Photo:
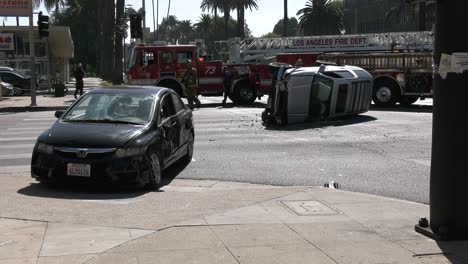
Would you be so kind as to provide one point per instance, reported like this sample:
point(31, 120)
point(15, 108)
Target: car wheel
point(17, 91)
point(191, 140)
point(244, 94)
point(386, 93)
point(155, 177)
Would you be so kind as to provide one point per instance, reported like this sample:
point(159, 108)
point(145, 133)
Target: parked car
point(7, 89)
point(118, 134)
point(4, 68)
point(21, 83)
point(316, 93)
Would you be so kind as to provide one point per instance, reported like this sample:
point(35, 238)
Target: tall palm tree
point(211, 5)
point(184, 31)
point(285, 19)
point(204, 24)
point(241, 5)
point(321, 17)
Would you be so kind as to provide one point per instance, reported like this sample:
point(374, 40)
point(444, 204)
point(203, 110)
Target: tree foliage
point(321, 17)
point(291, 30)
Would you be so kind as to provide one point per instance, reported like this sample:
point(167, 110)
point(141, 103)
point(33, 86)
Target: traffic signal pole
point(449, 174)
point(32, 60)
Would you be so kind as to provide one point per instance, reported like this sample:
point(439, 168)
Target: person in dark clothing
point(79, 75)
point(227, 82)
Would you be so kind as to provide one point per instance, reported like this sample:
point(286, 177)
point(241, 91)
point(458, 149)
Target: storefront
point(53, 54)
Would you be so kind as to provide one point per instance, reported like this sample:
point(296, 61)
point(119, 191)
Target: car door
point(185, 121)
point(170, 126)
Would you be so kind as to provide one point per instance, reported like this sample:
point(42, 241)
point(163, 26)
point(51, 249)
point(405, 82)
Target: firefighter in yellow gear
point(190, 82)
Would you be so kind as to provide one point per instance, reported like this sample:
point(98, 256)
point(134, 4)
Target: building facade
point(377, 16)
point(52, 54)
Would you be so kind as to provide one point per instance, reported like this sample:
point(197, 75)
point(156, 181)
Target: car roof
point(131, 89)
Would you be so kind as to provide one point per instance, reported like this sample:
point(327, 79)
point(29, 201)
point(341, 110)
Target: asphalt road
point(385, 151)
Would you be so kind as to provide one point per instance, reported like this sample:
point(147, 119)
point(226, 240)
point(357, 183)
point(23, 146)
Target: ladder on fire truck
point(260, 48)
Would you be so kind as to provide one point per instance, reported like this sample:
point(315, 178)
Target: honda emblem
point(81, 154)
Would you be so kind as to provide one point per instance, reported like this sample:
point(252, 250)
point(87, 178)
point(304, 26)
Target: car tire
point(155, 172)
point(190, 143)
point(244, 94)
point(386, 93)
point(17, 91)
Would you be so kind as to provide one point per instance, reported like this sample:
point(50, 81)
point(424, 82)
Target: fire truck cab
point(160, 65)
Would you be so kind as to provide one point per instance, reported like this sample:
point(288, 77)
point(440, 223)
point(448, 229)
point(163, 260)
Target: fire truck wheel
point(245, 95)
point(408, 100)
point(386, 93)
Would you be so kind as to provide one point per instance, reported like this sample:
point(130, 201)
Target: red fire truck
point(165, 65)
point(404, 79)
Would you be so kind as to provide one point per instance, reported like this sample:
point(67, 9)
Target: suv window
point(9, 77)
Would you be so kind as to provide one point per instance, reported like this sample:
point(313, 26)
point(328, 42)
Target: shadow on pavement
point(455, 251)
point(88, 190)
point(401, 108)
point(344, 121)
point(232, 105)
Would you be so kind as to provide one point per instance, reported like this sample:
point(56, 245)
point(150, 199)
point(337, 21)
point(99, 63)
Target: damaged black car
point(119, 134)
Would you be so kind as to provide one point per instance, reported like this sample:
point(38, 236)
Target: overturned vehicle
point(316, 93)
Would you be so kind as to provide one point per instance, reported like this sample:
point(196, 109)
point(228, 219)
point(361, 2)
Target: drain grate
point(305, 208)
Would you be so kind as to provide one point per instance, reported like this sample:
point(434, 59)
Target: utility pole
point(285, 19)
point(144, 19)
point(32, 60)
point(449, 173)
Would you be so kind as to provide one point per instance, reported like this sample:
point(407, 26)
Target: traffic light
point(43, 23)
point(135, 26)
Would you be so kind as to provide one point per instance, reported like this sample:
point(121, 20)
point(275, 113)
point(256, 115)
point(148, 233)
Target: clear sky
point(260, 21)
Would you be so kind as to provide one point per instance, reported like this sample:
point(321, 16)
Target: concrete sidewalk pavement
point(194, 221)
point(45, 101)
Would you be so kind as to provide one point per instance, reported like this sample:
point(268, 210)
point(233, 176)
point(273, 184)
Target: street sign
point(15, 8)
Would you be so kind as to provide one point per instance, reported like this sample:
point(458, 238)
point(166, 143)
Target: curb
point(16, 109)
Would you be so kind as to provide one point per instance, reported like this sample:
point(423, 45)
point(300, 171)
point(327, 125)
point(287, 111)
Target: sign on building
point(15, 7)
point(7, 41)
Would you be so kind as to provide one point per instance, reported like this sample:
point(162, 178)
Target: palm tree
point(184, 31)
point(211, 5)
point(321, 17)
point(224, 5)
point(241, 5)
point(204, 24)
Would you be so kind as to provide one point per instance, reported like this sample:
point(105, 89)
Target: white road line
point(19, 146)
point(40, 119)
point(18, 133)
point(15, 156)
point(18, 139)
point(28, 128)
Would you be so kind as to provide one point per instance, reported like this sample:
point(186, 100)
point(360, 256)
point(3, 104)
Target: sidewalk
point(44, 100)
point(191, 221)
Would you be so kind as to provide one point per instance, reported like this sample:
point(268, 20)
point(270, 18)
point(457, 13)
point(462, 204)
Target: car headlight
point(128, 152)
point(44, 148)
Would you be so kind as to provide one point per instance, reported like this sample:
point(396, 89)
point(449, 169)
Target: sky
point(260, 21)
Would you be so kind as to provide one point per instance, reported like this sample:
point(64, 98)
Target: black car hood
point(63, 134)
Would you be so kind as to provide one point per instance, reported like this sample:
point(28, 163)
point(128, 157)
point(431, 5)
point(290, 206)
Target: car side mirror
point(59, 113)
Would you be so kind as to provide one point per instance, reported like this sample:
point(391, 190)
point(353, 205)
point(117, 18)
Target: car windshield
point(112, 108)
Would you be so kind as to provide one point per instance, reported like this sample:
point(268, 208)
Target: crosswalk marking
point(15, 156)
point(18, 139)
point(28, 128)
point(19, 146)
point(20, 133)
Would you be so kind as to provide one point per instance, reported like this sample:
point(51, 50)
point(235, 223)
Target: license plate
point(81, 170)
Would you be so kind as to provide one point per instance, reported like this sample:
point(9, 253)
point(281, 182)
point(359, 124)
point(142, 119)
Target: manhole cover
point(309, 208)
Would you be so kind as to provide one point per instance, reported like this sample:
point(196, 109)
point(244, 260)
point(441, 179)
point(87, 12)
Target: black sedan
point(118, 134)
